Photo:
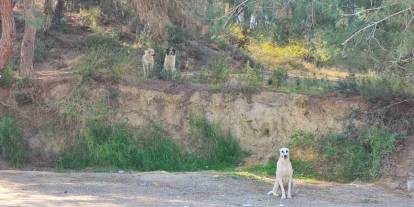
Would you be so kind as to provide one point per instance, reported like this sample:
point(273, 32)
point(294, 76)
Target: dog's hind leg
point(275, 189)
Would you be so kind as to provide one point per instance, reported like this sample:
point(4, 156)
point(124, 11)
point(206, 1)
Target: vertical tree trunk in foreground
point(58, 12)
point(7, 28)
point(48, 12)
point(28, 42)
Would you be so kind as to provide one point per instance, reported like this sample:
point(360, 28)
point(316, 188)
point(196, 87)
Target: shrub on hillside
point(345, 158)
point(107, 59)
point(108, 145)
point(378, 86)
point(11, 143)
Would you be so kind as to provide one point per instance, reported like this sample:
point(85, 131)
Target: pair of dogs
point(148, 61)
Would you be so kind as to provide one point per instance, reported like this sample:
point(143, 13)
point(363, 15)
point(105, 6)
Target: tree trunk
point(48, 12)
point(28, 42)
point(227, 8)
point(58, 12)
point(7, 29)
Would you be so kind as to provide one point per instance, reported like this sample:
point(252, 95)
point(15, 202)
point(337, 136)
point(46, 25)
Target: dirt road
point(44, 189)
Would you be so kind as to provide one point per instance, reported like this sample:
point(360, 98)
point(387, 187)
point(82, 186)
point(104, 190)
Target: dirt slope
point(19, 188)
point(399, 167)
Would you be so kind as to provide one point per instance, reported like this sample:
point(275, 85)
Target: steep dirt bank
point(180, 190)
point(399, 168)
point(263, 122)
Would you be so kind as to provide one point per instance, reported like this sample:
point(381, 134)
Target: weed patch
point(108, 60)
point(105, 145)
point(378, 86)
point(342, 157)
point(7, 76)
point(11, 143)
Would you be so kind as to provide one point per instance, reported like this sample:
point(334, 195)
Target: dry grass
point(291, 57)
point(158, 14)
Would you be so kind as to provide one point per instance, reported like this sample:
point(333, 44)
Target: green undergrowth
point(103, 145)
point(12, 148)
point(337, 156)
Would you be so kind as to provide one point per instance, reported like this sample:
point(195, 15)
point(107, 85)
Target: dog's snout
point(285, 156)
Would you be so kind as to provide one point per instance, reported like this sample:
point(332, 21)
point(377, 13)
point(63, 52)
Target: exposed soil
point(399, 167)
point(28, 188)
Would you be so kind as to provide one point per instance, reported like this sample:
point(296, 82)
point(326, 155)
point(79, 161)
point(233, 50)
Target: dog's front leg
point(282, 188)
point(150, 70)
point(290, 187)
point(144, 70)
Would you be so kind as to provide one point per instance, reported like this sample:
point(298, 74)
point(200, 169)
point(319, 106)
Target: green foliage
point(107, 59)
point(302, 169)
point(382, 86)
point(11, 142)
point(175, 35)
point(217, 72)
point(342, 157)
point(7, 76)
point(218, 148)
point(269, 169)
point(220, 70)
point(253, 77)
point(202, 76)
point(93, 18)
point(43, 48)
point(107, 145)
point(279, 77)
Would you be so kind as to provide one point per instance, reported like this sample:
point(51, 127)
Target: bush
point(378, 86)
point(107, 145)
point(253, 76)
point(220, 70)
point(218, 148)
point(11, 143)
point(43, 47)
point(107, 59)
point(279, 77)
point(175, 35)
point(345, 158)
point(104, 145)
point(7, 76)
point(92, 17)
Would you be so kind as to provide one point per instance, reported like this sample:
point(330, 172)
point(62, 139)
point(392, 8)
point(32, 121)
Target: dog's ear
point(167, 50)
point(173, 51)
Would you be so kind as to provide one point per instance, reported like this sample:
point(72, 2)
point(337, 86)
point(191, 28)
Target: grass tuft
point(104, 145)
point(11, 143)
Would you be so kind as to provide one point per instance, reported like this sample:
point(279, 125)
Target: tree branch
point(373, 24)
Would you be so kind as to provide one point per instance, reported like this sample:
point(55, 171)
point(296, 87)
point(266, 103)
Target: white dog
point(284, 174)
point(148, 61)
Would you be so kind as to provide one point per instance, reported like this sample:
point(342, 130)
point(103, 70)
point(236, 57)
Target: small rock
point(65, 191)
point(121, 171)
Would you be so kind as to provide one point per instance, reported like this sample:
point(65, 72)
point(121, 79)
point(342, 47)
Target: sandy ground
point(44, 189)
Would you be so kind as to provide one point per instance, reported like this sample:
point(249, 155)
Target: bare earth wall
point(263, 122)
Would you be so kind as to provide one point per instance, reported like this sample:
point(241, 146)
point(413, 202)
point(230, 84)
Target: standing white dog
point(284, 174)
point(148, 62)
